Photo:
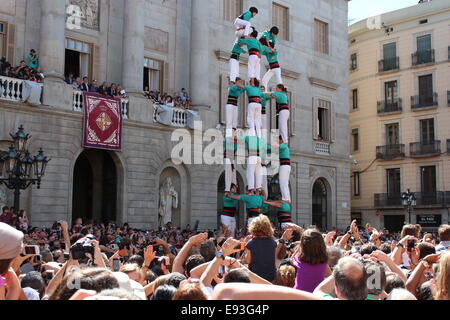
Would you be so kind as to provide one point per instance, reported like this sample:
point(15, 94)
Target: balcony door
point(428, 175)
point(426, 90)
point(391, 95)
point(393, 184)
point(389, 56)
point(427, 131)
point(424, 49)
point(392, 134)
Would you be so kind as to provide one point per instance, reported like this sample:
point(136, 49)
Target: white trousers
point(239, 23)
point(269, 74)
point(230, 174)
point(284, 174)
point(264, 127)
point(254, 172)
point(254, 119)
point(234, 69)
point(283, 119)
point(264, 182)
point(231, 119)
point(230, 223)
point(254, 67)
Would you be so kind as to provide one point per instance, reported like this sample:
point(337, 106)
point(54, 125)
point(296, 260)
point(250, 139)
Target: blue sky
point(361, 9)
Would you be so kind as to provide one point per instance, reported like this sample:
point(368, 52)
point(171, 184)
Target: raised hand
point(198, 239)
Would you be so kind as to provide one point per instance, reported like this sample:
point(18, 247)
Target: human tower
point(255, 140)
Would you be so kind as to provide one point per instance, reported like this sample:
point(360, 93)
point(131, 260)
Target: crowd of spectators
point(28, 69)
point(106, 89)
point(98, 261)
point(177, 100)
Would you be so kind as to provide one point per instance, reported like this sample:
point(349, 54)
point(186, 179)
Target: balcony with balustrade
point(425, 149)
point(430, 199)
point(62, 96)
point(386, 107)
point(391, 152)
point(387, 201)
point(424, 102)
point(389, 65)
point(422, 58)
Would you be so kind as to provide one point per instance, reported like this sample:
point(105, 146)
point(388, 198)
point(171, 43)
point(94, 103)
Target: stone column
point(133, 46)
point(52, 47)
point(199, 78)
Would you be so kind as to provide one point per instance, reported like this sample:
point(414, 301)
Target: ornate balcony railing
point(78, 104)
point(390, 152)
point(423, 57)
point(11, 89)
point(178, 117)
point(424, 101)
point(385, 106)
point(425, 149)
point(389, 64)
point(386, 200)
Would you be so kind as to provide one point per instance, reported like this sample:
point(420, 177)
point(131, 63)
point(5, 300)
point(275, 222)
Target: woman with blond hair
point(261, 249)
point(443, 278)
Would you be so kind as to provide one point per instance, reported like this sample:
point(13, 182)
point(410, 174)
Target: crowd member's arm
point(254, 278)
point(383, 257)
point(65, 234)
point(150, 288)
point(14, 290)
point(414, 280)
point(98, 258)
point(353, 230)
point(149, 256)
point(184, 252)
point(275, 204)
point(326, 287)
point(18, 261)
point(329, 238)
point(244, 291)
point(398, 251)
point(54, 283)
point(228, 248)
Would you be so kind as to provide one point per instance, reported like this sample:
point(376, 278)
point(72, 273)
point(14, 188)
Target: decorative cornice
point(324, 84)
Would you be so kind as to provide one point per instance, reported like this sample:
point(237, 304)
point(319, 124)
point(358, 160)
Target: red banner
point(102, 122)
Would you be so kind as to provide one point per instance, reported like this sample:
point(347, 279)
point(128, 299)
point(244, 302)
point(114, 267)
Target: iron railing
point(386, 200)
point(390, 152)
point(423, 57)
point(386, 106)
point(424, 101)
point(425, 148)
point(389, 64)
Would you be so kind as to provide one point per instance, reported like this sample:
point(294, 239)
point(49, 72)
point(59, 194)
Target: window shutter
point(11, 43)
point(96, 58)
point(315, 118)
point(223, 97)
point(165, 77)
point(333, 122)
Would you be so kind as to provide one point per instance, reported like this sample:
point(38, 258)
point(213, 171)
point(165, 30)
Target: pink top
point(309, 276)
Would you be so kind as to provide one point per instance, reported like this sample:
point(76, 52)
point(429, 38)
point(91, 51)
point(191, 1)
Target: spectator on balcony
point(93, 88)
point(104, 89)
point(122, 92)
point(33, 59)
point(113, 91)
point(38, 74)
point(169, 102)
point(70, 79)
point(184, 95)
point(77, 83)
point(85, 85)
point(21, 70)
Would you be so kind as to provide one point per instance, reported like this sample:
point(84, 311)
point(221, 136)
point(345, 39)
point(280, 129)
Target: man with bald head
point(348, 282)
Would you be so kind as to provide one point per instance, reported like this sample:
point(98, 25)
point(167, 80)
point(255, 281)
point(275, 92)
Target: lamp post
point(409, 202)
point(21, 170)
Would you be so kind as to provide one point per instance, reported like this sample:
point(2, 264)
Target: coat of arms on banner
point(102, 122)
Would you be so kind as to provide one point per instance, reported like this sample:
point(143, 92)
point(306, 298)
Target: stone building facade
point(399, 115)
point(169, 45)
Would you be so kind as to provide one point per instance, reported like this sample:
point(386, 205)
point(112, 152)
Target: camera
point(411, 244)
point(81, 247)
point(32, 249)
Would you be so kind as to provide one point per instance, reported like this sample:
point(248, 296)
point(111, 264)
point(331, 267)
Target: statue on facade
point(168, 200)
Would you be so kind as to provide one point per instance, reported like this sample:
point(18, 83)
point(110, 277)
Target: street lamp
point(409, 202)
point(18, 166)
